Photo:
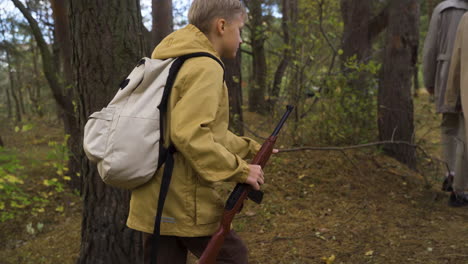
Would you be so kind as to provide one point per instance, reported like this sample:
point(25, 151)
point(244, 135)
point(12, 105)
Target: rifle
point(235, 202)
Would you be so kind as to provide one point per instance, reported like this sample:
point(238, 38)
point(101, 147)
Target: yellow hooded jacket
point(207, 152)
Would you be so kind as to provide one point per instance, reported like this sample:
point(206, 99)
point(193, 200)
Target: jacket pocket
point(208, 204)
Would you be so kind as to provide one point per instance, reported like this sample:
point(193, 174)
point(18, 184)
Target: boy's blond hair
point(202, 12)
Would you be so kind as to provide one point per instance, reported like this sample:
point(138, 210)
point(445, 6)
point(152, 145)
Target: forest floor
point(356, 206)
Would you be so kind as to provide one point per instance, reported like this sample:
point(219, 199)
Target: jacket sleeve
point(245, 147)
point(430, 50)
point(191, 119)
point(452, 94)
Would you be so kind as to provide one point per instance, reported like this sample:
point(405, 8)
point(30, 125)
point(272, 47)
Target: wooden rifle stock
point(235, 201)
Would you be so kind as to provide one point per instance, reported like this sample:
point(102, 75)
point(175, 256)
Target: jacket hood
point(184, 41)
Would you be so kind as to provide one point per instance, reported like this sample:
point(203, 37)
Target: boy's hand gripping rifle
point(235, 201)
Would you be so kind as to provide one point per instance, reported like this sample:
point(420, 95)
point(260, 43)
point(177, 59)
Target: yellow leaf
point(312, 185)
point(370, 253)
point(59, 209)
point(66, 178)
point(301, 176)
point(46, 183)
point(2, 205)
point(40, 210)
point(329, 260)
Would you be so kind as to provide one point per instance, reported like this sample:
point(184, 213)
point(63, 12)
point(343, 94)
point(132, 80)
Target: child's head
point(203, 12)
point(221, 21)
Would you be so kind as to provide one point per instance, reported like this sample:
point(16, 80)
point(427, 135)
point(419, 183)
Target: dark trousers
point(173, 250)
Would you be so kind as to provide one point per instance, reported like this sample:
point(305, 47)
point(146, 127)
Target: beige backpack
point(125, 138)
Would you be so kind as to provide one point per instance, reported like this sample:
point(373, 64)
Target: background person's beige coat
point(207, 152)
point(456, 97)
point(438, 47)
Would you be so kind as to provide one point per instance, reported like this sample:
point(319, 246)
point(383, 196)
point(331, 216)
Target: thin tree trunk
point(62, 33)
point(356, 42)
point(117, 30)
point(19, 87)
point(257, 89)
point(13, 88)
point(34, 91)
point(64, 44)
point(234, 84)
point(395, 103)
point(9, 104)
point(162, 20)
point(289, 17)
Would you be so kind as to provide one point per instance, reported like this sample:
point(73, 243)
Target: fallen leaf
point(329, 260)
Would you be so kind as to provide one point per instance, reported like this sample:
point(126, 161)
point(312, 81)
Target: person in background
point(456, 100)
point(437, 52)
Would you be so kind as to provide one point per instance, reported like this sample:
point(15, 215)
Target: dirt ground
point(355, 206)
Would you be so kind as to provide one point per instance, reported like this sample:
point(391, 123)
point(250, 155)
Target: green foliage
point(12, 197)
point(347, 113)
point(58, 158)
point(16, 198)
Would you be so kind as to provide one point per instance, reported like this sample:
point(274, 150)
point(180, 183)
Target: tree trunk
point(234, 84)
point(34, 91)
point(13, 88)
point(257, 89)
point(62, 38)
point(62, 33)
point(19, 87)
point(105, 49)
point(9, 104)
point(162, 20)
point(1, 142)
point(395, 103)
point(289, 17)
point(356, 18)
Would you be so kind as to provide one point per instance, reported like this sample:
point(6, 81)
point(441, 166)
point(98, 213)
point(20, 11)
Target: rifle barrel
point(289, 109)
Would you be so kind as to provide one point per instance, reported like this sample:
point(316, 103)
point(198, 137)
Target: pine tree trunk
point(394, 99)
point(162, 20)
point(289, 17)
point(356, 42)
point(13, 88)
point(257, 89)
point(234, 84)
point(107, 43)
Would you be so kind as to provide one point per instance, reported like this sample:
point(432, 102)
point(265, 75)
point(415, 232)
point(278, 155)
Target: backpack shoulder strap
point(166, 155)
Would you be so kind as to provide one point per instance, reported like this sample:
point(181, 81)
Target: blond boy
point(207, 152)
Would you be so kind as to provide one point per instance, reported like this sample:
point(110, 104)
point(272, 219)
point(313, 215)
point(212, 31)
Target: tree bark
point(62, 33)
point(257, 89)
point(107, 43)
point(356, 18)
point(289, 17)
point(395, 103)
point(234, 84)
point(9, 104)
point(13, 88)
point(162, 20)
